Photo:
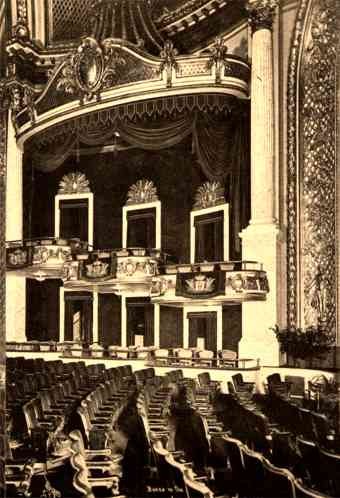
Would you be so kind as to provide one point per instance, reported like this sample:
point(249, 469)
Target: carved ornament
point(209, 194)
point(168, 56)
point(93, 68)
point(218, 58)
point(16, 96)
point(311, 159)
point(20, 30)
point(261, 13)
point(74, 183)
point(200, 283)
point(141, 192)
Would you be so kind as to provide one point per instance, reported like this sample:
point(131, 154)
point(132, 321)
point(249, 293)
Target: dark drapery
point(171, 327)
point(141, 228)
point(74, 219)
point(209, 237)
point(220, 144)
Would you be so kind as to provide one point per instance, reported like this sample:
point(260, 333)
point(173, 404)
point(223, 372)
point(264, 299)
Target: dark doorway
point(203, 330)
point(74, 219)
point(42, 310)
point(209, 237)
point(141, 228)
point(78, 317)
point(140, 322)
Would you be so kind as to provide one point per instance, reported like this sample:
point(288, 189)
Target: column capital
point(261, 13)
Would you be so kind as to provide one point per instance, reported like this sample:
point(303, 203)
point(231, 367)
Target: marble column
point(260, 239)
point(15, 284)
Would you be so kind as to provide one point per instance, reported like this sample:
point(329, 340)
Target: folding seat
point(18, 472)
point(324, 434)
point(284, 453)
point(184, 357)
point(78, 480)
point(96, 433)
point(98, 412)
point(330, 468)
point(205, 358)
point(297, 385)
point(301, 491)
point(240, 385)
point(276, 386)
point(233, 448)
point(311, 464)
point(96, 459)
point(278, 483)
point(254, 473)
point(306, 424)
point(49, 417)
point(205, 382)
point(161, 357)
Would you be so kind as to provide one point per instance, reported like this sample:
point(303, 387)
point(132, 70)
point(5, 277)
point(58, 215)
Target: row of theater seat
point(234, 429)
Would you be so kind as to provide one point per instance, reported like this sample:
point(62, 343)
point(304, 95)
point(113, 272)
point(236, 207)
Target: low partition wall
point(307, 373)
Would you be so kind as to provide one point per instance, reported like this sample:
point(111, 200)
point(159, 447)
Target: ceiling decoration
point(127, 20)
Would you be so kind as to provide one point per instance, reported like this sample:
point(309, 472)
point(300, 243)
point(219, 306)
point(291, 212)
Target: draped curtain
point(220, 144)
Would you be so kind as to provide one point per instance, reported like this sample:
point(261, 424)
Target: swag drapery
point(220, 146)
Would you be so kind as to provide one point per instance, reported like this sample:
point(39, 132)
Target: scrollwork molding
point(16, 96)
point(312, 168)
point(3, 159)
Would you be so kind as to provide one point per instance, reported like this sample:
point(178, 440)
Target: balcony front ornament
point(141, 192)
point(74, 183)
point(219, 59)
point(91, 69)
point(209, 194)
point(200, 284)
point(168, 56)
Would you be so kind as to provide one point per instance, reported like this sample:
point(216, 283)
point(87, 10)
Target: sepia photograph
point(169, 248)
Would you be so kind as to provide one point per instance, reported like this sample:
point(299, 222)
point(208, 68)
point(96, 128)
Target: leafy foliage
point(303, 343)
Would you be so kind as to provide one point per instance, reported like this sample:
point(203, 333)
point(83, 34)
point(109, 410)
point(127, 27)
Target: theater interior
point(169, 248)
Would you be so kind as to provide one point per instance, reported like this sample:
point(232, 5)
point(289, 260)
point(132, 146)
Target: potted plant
point(303, 344)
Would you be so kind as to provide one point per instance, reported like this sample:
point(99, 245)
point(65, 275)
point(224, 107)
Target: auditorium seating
point(107, 424)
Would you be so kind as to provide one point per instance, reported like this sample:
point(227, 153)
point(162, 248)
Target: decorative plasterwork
point(74, 183)
point(3, 147)
point(312, 169)
point(92, 69)
point(17, 95)
point(209, 194)
point(168, 56)
point(218, 58)
point(318, 167)
point(293, 276)
point(261, 13)
point(20, 30)
point(141, 192)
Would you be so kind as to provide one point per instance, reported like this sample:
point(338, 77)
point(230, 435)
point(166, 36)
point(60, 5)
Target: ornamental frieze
point(312, 169)
point(95, 67)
